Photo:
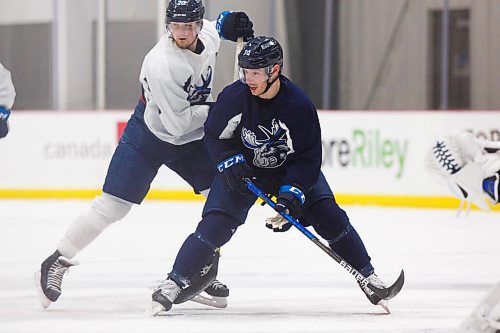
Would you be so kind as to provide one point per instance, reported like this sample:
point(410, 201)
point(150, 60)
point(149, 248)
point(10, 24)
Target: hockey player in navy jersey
point(263, 127)
point(166, 128)
point(7, 96)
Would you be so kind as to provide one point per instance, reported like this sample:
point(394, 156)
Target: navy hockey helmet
point(261, 52)
point(184, 11)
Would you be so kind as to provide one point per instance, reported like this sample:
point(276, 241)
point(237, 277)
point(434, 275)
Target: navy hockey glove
point(4, 126)
point(235, 168)
point(231, 25)
point(290, 199)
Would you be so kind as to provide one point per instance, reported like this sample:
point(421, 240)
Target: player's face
point(184, 34)
point(257, 89)
point(257, 79)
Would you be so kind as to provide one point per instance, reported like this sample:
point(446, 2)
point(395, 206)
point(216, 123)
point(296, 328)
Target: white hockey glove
point(460, 162)
point(278, 223)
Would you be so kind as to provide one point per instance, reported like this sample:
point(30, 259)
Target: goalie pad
point(201, 281)
point(460, 162)
point(486, 316)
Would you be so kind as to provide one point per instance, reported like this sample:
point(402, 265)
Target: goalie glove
point(278, 223)
point(460, 162)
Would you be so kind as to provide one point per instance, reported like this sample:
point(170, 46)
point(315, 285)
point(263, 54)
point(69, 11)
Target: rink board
point(368, 157)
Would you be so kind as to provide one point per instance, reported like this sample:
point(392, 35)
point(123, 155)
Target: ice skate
point(374, 299)
point(49, 278)
point(214, 295)
point(164, 296)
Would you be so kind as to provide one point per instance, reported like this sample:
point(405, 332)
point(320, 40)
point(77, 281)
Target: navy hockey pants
point(225, 210)
point(140, 154)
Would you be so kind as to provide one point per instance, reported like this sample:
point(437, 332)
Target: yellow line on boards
point(90, 194)
point(185, 195)
point(403, 201)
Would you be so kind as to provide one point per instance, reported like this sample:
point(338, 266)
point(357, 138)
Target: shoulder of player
point(209, 35)
point(161, 58)
point(155, 65)
point(296, 97)
point(234, 91)
point(229, 100)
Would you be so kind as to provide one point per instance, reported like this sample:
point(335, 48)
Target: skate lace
point(445, 157)
point(55, 275)
point(168, 289)
point(216, 284)
point(375, 281)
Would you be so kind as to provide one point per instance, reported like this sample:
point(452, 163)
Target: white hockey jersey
point(174, 81)
point(7, 92)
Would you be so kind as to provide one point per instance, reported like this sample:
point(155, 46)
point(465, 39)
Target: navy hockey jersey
point(279, 137)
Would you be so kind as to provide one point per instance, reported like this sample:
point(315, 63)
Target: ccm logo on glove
point(229, 162)
point(295, 191)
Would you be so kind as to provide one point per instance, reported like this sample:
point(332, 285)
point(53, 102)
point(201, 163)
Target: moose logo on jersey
point(198, 94)
point(270, 152)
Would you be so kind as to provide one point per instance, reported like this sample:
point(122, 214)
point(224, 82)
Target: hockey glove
point(231, 25)
point(4, 126)
point(290, 199)
point(235, 168)
point(4, 113)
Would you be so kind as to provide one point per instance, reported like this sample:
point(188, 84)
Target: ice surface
point(280, 282)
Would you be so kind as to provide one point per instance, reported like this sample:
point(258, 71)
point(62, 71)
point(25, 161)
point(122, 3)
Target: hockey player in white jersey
point(7, 96)
point(470, 169)
point(166, 128)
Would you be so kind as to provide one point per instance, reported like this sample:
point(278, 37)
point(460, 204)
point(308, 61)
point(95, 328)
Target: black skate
point(214, 295)
point(217, 289)
point(374, 280)
point(205, 289)
point(164, 296)
point(49, 279)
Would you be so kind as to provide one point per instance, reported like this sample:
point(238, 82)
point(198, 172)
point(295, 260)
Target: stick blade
point(391, 291)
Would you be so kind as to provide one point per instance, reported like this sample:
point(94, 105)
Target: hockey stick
point(384, 293)
point(239, 47)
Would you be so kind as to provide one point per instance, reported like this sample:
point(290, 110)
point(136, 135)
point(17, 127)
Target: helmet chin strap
point(269, 84)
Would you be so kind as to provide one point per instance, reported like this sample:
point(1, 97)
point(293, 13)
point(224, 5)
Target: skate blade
point(383, 303)
point(43, 299)
point(213, 301)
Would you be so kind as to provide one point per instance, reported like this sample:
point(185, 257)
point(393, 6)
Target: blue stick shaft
point(385, 293)
point(258, 192)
